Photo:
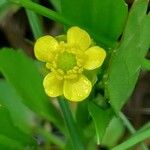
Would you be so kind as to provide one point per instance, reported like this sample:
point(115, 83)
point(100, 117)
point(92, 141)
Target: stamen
point(66, 61)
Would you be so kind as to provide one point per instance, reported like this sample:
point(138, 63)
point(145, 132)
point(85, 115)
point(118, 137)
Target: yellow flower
point(67, 61)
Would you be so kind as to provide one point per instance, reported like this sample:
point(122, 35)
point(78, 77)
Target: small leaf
point(101, 119)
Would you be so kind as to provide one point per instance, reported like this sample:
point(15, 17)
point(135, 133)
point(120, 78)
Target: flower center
point(66, 61)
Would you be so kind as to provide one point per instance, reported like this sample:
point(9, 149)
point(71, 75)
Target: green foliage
point(21, 73)
point(9, 130)
point(116, 130)
point(100, 18)
point(21, 116)
point(35, 23)
point(125, 63)
point(135, 139)
point(9, 144)
point(101, 119)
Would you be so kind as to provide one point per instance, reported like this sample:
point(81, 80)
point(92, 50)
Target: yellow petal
point(45, 47)
point(94, 57)
point(53, 87)
point(77, 90)
point(79, 37)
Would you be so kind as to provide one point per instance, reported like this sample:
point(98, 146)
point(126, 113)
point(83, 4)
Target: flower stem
point(131, 128)
point(73, 132)
point(35, 24)
point(41, 10)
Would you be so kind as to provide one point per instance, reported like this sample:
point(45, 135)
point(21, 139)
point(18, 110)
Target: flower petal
point(45, 47)
point(53, 87)
point(94, 57)
point(77, 90)
point(79, 37)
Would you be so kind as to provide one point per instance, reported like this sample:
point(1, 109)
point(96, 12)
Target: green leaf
point(135, 139)
point(21, 73)
point(125, 63)
point(101, 119)
point(104, 20)
point(21, 116)
point(9, 130)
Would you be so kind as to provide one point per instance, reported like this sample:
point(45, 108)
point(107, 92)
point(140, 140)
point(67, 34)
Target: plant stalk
point(41, 10)
point(35, 24)
point(131, 129)
point(71, 126)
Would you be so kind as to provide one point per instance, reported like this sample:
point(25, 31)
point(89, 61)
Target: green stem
point(131, 128)
point(73, 132)
point(127, 123)
point(37, 30)
point(42, 10)
point(35, 24)
point(56, 4)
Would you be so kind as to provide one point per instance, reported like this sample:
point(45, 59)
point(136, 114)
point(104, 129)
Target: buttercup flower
point(67, 62)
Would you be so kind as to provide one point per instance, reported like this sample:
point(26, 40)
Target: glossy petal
point(77, 90)
point(45, 48)
point(53, 87)
point(79, 37)
point(94, 57)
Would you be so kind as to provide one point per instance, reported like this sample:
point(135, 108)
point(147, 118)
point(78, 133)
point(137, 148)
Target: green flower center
point(66, 61)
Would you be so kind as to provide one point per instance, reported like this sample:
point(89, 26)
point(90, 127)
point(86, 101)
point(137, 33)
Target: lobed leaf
point(125, 63)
